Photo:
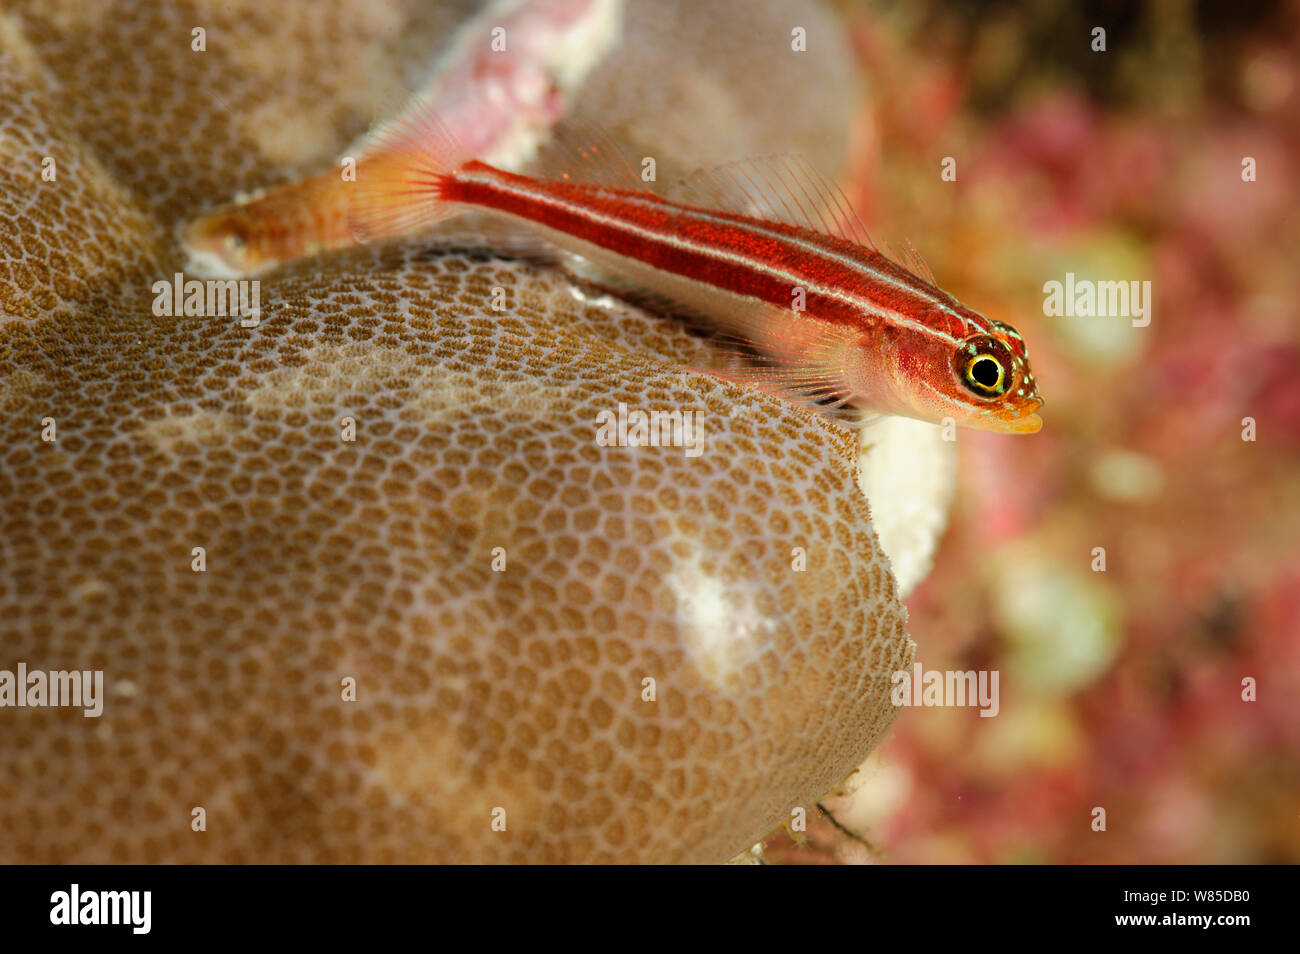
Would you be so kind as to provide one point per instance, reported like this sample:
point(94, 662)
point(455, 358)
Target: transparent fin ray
point(398, 187)
point(583, 152)
point(786, 188)
point(782, 188)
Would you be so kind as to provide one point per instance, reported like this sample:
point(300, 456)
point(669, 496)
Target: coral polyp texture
point(467, 631)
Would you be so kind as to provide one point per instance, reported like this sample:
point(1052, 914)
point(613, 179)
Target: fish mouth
point(1029, 424)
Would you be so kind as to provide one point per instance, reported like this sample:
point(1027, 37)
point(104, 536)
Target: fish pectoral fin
point(818, 390)
point(584, 272)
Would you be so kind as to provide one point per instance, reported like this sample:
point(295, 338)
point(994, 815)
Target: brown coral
point(329, 561)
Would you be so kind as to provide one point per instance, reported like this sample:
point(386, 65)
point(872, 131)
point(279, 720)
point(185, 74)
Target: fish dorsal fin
point(582, 152)
point(786, 188)
point(911, 259)
point(781, 188)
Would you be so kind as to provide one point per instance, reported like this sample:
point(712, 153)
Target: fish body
point(834, 321)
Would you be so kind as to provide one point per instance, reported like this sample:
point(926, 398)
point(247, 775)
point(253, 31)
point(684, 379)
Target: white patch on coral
point(909, 473)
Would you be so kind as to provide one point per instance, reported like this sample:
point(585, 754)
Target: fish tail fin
point(402, 175)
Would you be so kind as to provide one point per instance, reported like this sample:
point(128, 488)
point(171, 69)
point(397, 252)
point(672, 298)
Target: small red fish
point(783, 266)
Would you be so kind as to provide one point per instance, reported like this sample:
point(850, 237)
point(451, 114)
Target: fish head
point(997, 386)
point(964, 367)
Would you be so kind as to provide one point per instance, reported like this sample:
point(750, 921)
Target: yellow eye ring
point(985, 374)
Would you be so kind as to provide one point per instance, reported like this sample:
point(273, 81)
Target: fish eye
point(985, 374)
point(234, 241)
point(986, 366)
